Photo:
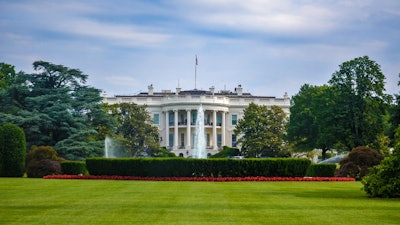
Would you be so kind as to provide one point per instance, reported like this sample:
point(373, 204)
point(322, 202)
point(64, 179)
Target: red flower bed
point(212, 179)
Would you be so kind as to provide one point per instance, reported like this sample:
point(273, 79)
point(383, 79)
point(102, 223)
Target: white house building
point(174, 114)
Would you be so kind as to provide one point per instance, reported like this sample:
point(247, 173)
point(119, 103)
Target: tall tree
point(261, 131)
point(361, 100)
point(312, 116)
point(54, 105)
point(135, 129)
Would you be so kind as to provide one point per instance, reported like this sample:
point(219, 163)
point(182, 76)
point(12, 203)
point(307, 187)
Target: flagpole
point(195, 74)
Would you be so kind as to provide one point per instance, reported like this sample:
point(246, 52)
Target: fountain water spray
point(108, 148)
point(199, 151)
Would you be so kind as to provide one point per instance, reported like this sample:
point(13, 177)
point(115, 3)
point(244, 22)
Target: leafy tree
point(135, 129)
point(361, 101)
point(312, 119)
point(12, 151)
point(56, 108)
point(7, 75)
point(261, 131)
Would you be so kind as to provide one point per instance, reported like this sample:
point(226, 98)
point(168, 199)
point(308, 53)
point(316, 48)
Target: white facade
point(174, 114)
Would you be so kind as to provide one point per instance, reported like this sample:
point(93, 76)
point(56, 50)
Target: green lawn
point(39, 201)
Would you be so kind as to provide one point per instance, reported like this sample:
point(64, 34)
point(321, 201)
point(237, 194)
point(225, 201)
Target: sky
point(268, 46)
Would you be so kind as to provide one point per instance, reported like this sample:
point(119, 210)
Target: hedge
point(74, 168)
point(12, 151)
point(183, 167)
point(321, 170)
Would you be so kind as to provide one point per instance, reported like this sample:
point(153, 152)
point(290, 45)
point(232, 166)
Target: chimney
point(239, 90)
point(212, 89)
point(150, 87)
point(178, 89)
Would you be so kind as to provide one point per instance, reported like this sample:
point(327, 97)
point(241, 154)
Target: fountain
point(109, 148)
point(199, 151)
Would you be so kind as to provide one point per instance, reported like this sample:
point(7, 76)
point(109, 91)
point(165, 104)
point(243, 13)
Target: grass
point(39, 201)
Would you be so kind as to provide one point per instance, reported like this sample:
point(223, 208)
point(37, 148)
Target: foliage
point(54, 105)
point(38, 153)
point(183, 167)
point(135, 130)
point(12, 151)
point(41, 168)
point(7, 75)
point(321, 170)
point(262, 131)
point(384, 179)
point(348, 112)
point(226, 152)
point(358, 162)
point(361, 101)
point(42, 160)
point(312, 119)
point(74, 168)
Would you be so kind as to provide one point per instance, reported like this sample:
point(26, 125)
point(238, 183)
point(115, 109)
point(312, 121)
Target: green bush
point(384, 179)
point(43, 167)
point(12, 151)
point(226, 152)
point(74, 168)
point(358, 162)
point(36, 167)
point(321, 170)
point(182, 167)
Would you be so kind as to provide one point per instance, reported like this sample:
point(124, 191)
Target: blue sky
point(268, 46)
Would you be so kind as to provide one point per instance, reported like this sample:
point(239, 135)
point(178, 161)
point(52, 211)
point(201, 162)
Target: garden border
point(211, 179)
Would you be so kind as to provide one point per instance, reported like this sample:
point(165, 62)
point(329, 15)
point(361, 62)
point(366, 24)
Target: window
point(171, 140)
point(219, 119)
point(171, 119)
point(194, 116)
point(233, 140)
point(219, 140)
point(234, 119)
point(182, 140)
point(156, 118)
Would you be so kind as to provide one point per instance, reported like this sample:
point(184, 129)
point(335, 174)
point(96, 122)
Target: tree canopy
point(346, 113)
point(135, 129)
point(53, 106)
point(261, 131)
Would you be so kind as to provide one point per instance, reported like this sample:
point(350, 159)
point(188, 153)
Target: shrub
point(12, 151)
point(384, 179)
point(43, 167)
point(74, 168)
point(358, 162)
point(36, 156)
point(321, 170)
point(226, 152)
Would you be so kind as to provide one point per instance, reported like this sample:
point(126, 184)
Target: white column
point(176, 130)
point(223, 129)
point(188, 115)
point(214, 130)
point(166, 129)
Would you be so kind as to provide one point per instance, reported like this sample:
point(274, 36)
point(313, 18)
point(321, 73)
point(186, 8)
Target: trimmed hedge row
point(321, 170)
point(74, 168)
point(183, 167)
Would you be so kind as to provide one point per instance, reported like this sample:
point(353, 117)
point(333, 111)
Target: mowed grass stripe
point(39, 201)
